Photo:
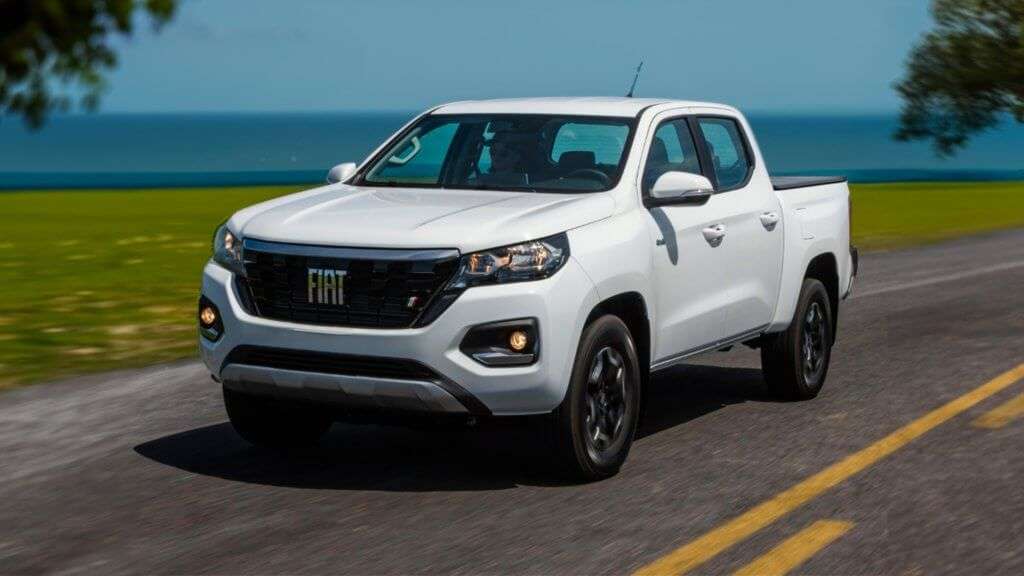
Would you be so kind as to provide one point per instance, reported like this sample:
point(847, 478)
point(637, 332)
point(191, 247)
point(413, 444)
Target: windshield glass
point(538, 153)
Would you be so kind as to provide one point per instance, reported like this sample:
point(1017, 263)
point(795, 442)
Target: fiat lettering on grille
point(325, 286)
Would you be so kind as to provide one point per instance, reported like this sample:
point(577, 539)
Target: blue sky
point(320, 55)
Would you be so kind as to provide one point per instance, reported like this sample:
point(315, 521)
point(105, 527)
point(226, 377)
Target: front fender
point(615, 254)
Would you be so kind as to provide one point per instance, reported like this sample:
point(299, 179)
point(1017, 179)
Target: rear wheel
point(795, 362)
point(273, 423)
point(595, 425)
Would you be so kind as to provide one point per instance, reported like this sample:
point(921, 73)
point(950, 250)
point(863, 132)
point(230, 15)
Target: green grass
point(896, 215)
point(95, 280)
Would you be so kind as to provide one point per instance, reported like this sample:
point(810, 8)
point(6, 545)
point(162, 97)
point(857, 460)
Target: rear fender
point(817, 222)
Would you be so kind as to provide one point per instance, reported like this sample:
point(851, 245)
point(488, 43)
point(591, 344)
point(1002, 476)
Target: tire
point(273, 423)
point(594, 426)
point(795, 362)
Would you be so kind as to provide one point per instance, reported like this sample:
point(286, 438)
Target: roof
point(593, 105)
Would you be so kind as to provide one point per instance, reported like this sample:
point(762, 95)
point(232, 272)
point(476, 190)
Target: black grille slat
point(377, 292)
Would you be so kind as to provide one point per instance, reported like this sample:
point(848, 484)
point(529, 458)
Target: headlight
point(532, 260)
point(227, 250)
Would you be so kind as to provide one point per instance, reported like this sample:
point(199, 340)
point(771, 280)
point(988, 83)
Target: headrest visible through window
point(576, 160)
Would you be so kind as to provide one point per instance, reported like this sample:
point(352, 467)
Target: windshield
point(537, 153)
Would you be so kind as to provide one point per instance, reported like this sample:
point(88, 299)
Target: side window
point(672, 150)
point(418, 158)
point(726, 149)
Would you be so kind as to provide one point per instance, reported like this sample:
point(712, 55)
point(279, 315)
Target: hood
point(468, 220)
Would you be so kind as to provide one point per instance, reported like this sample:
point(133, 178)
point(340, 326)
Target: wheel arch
point(824, 268)
point(631, 308)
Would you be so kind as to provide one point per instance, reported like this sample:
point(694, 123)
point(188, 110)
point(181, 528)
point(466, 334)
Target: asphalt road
point(139, 472)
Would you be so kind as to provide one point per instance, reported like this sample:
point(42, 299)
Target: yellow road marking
point(796, 549)
point(1002, 414)
point(706, 547)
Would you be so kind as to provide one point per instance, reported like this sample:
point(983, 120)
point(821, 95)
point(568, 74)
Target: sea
point(109, 150)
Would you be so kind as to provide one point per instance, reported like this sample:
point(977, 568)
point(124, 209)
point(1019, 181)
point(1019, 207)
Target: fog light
point(518, 340)
point(210, 324)
point(207, 317)
point(503, 343)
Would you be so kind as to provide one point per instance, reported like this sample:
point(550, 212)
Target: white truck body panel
point(819, 223)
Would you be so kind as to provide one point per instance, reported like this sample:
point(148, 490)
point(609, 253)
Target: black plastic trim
point(439, 302)
point(491, 337)
point(707, 166)
point(691, 200)
point(244, 293)
point(250, 301)
point(674, 359)
point(321, 251)
point(747, 149)
point(793, 182)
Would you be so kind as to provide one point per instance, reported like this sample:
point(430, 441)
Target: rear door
point(748, 217)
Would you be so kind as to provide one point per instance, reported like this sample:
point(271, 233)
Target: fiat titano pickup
point(537, 256)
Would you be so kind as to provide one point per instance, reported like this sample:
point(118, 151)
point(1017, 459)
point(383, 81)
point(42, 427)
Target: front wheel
point(595, 424)
point(795, 362)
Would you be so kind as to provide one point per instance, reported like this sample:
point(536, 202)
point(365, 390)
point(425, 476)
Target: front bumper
point(346, 390)
point(560, 305)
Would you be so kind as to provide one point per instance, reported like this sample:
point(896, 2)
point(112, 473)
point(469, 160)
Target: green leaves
point(49, 48)
point(966, 75)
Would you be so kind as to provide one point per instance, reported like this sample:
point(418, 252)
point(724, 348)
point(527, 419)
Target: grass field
point(895, 215)
point(91, 280)
point(94, 280)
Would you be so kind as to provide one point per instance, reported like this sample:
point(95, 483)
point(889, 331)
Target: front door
point(690, 273)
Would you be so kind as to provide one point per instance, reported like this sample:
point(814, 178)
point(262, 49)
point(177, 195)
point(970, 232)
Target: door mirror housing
point(341, 172)
point(680, 188)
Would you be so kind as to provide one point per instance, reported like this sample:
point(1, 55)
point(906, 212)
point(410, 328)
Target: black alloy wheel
point(594, 427)
point(795, 361)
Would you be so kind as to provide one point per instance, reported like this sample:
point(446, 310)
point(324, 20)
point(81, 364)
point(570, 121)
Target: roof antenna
point(635, 78)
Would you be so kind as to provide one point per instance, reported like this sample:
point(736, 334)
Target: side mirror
point(341, 172)
point(680, 188)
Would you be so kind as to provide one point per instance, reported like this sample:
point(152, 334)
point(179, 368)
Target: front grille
point(328, 363)
point(381, 288)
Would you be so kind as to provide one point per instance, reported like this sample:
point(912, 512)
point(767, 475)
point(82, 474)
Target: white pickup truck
point(523, 257)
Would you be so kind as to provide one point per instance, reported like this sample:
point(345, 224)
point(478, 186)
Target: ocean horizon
point(122, 150)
